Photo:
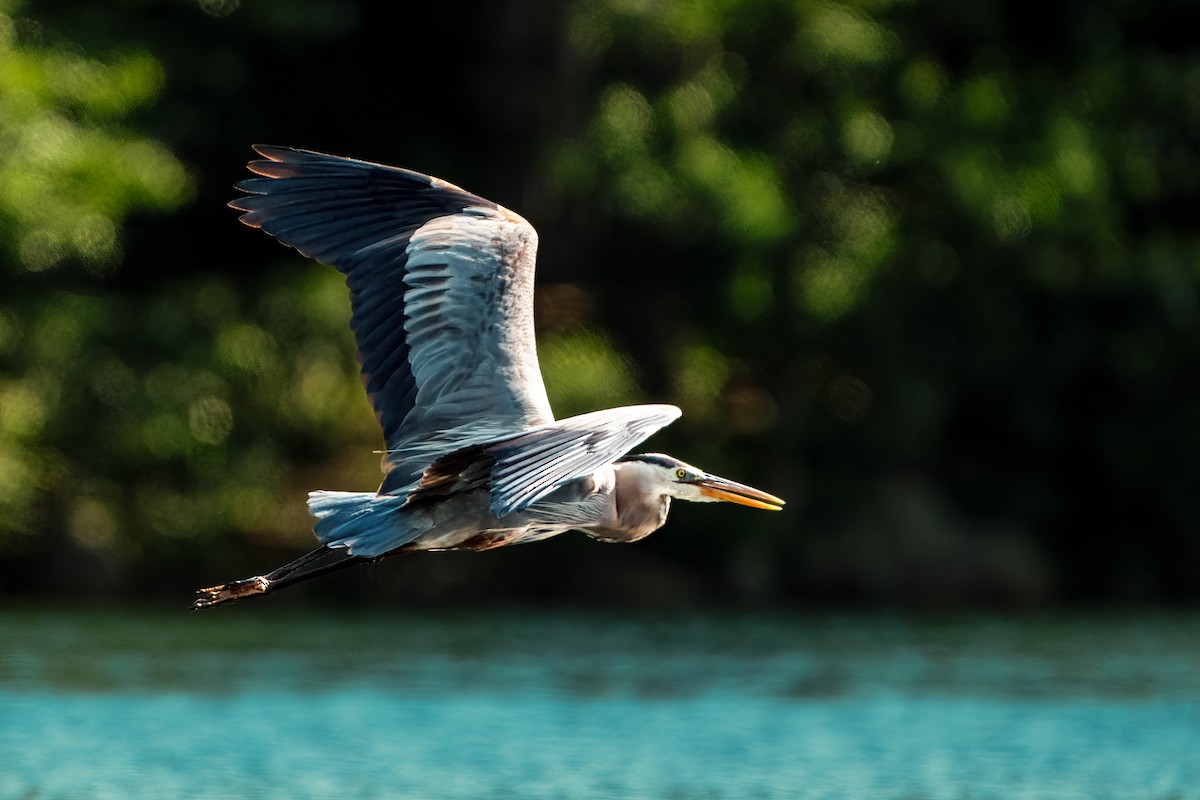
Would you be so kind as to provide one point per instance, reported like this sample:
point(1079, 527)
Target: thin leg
point(311, 557)
point(306, 566)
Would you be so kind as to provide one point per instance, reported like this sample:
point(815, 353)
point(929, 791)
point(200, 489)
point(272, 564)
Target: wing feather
point(441, 285)
point(522, 469)
point(578, 446)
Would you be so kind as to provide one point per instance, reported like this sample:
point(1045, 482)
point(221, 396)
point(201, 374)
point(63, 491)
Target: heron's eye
point(681, 473)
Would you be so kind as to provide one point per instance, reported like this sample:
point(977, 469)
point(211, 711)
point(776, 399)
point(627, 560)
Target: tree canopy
point(927, 270)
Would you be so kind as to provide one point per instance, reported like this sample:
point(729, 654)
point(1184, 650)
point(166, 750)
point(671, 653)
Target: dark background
point(927, 270)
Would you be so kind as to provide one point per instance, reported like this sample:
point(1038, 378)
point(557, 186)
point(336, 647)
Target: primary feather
point(441, 292)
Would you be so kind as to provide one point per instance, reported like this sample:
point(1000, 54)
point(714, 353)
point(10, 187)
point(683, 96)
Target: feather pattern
point(521, 470)
point(441, 288)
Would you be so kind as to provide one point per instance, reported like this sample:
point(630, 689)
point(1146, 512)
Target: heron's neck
point(641, 500)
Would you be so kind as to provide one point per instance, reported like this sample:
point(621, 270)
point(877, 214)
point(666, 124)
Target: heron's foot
point(229, 592)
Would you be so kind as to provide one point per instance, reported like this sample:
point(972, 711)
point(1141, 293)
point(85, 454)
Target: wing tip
point(281, 161)
point(248, 218)
point(274, 152)
point(667, 412)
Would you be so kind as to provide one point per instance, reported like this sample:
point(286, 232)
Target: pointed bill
point(728, 491)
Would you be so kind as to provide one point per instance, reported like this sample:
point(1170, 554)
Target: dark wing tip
point(279, 161)
point(274, 159)
point(252, 190)
point(284, 162)
point(274, 152)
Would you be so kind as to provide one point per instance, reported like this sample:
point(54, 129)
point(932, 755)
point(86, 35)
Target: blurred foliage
point(71, 166)
point(927, 270)
point(954, 259)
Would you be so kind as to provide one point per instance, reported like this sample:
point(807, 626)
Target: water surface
point(257, 703)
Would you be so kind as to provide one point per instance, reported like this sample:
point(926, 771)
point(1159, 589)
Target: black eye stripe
point(653, 458)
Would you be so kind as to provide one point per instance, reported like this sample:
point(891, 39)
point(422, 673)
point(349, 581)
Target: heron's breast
point(487, 540)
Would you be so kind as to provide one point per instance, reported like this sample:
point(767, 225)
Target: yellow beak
point(728, 491)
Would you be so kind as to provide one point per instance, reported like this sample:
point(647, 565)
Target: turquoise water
point(254, 703)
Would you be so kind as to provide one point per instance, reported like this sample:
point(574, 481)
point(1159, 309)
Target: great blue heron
point(441, 289)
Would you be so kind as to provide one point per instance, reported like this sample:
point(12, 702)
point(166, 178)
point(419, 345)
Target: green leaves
point(850, 239)
point(71, 168)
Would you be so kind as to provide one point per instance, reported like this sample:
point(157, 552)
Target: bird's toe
point(229, 592)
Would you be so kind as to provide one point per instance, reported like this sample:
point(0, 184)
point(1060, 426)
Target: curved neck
point(640, 503)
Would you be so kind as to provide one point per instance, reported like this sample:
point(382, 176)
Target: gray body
point(609, 505)
point(441, 290)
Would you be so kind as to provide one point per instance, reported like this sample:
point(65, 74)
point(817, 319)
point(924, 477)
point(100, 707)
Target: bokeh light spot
point(700, 377)
point(983, 101)
point(583, 371)
point(828, 286)
point(246, 347)
point(92, 524)
point(41, 248)
point(22, 413)
point(867, 137)
point(210, 420)
point(751, 293)
point(219, 8)
point(750, 410)
point(848, 398)
point(923, 83)
point(840, 33)
point(691, 106)
point(626, 119)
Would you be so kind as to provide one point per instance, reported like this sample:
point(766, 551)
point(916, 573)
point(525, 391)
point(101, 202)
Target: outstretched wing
point(522, 469)
point(441, 289)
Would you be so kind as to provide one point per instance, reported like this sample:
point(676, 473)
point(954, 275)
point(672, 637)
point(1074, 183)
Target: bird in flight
point(441, 293)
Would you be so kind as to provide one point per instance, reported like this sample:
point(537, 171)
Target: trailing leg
point(321, 561)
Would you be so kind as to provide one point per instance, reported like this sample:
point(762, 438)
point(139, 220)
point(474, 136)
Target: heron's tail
point(366, 524)
point(352, 527)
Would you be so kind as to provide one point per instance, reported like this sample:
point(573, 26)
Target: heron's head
point(674, 478)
